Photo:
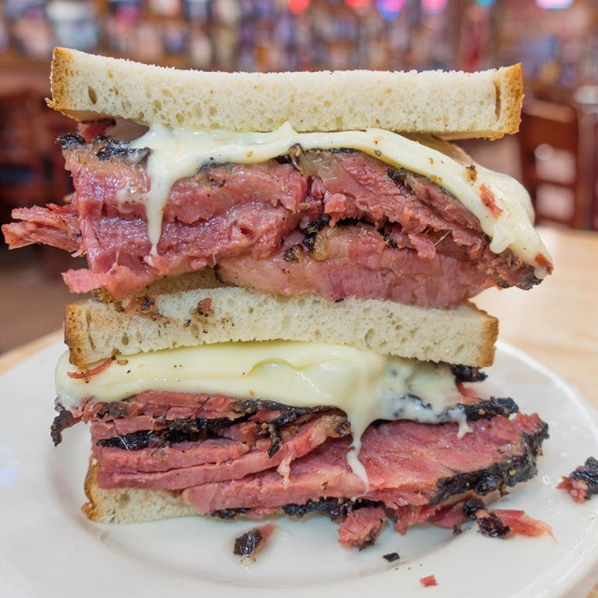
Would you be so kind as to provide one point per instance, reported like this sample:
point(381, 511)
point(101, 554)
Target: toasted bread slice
point(130, 505)
point(450, 104)
point(216, 313)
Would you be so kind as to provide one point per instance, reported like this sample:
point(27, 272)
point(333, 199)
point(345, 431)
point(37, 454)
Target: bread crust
point(450, 104)
point(511, 94)
point(130, 505)
point(214, 313)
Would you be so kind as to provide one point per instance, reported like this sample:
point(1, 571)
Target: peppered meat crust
point(498, 476)
point(186, 430)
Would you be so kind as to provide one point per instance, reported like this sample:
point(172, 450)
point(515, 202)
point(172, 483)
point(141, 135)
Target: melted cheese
point(177, 154)
point(365, 385)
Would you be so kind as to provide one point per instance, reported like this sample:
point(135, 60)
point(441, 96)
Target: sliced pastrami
point(387, 233)
point(174, 469)
point(407, 464)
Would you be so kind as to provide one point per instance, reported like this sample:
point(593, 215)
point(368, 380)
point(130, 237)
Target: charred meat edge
point(499, 476)
point(189, 430)
point(489, 523)
point(587, 473)
point(250, 543)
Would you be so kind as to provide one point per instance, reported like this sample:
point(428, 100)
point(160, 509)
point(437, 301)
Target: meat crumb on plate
point(428, 581)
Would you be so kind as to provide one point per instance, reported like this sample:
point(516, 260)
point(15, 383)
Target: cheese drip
point(365, 385)
point(177, 154)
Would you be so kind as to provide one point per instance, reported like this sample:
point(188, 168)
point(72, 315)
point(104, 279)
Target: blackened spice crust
point(498, 476)
point(467, 373)
point(174, 432)
point(336, 508)
point(491, 408)
point(107, 149)
point(65, 419)
point(588, 473)
point(248, 543)
point(489, 523)
point(70, 141)
point(229, 514)
point(472, 506)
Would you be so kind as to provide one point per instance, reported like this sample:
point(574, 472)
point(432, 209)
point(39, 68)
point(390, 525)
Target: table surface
point(556, 322)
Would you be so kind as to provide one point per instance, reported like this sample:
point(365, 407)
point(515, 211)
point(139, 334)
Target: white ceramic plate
point(48, 548)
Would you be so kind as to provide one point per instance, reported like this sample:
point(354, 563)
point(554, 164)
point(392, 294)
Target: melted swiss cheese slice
point(499, 202)
point(365, 385)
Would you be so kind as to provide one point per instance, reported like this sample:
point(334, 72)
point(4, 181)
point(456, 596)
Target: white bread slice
point(451, 104)
point(130, 505)
point(95, 330)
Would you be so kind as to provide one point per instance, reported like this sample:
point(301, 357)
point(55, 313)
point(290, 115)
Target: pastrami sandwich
point(305, 342)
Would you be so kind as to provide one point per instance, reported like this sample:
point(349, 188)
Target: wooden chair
point(23, 139)
point(31, 163)
point(586, 100)
point(549, 144)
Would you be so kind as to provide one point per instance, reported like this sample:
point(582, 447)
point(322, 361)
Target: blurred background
point(555, 154)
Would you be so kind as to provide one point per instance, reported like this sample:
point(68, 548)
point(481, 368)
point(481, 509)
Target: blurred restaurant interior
point(555, 154)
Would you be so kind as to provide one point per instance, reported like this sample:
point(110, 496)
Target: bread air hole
point(123, 500)
point(93, 96)
point(369, 337)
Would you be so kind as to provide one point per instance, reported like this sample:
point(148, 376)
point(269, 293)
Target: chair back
point(23, 139)
point(549, 144)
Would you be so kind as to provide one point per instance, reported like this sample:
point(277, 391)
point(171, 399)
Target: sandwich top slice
point(311, 196)
point(484, 104)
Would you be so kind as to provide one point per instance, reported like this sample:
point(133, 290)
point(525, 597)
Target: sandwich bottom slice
point(292, 428)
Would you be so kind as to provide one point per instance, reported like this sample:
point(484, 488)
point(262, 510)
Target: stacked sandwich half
point(281, 267)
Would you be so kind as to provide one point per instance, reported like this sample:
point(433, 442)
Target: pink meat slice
point(119, 468)
point(119, 252)
point(362, 527)
point(164, 405)
point(353, 186)
point(163, 459)
point(433, 246)
point(521, 523)
point(356, 261)
point(53, 225)
point(404, 461)
point(324, 472)
point(102, 430)
point(114, 188)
